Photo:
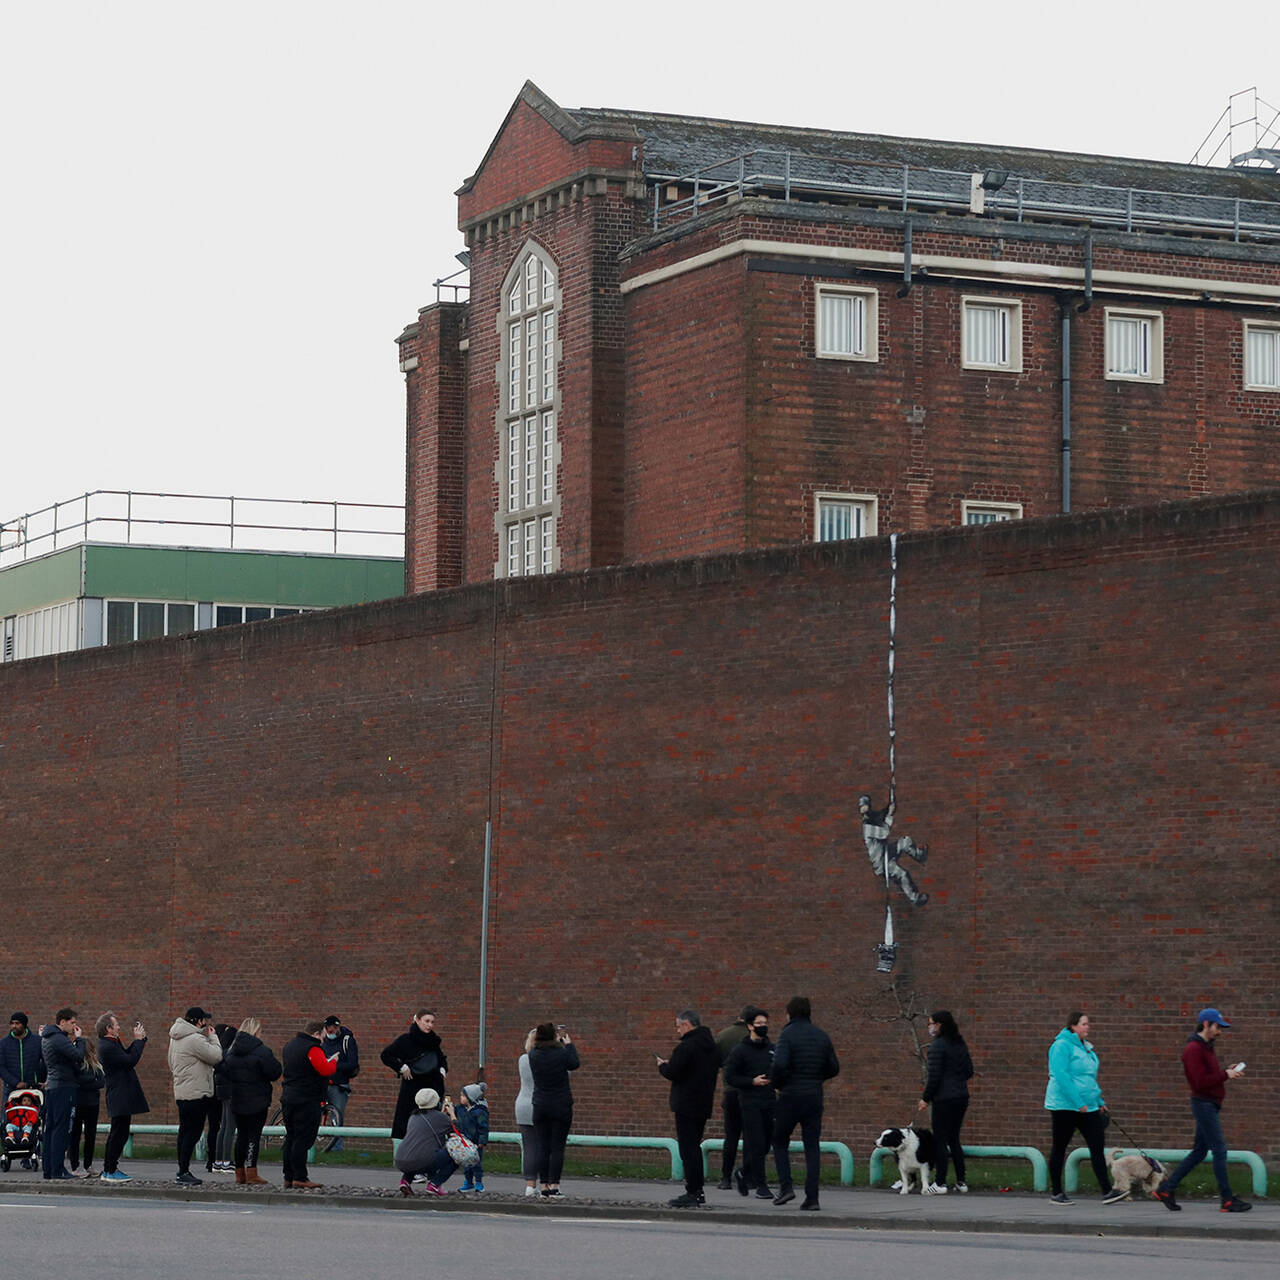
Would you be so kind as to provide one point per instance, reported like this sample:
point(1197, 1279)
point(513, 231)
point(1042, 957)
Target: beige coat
point(192, 1056)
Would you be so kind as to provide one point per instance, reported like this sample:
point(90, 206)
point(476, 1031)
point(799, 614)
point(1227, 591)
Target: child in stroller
point(22, 1129)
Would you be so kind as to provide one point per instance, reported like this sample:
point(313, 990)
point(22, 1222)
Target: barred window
point(837, 516)
point(1135, 346)
point(1261, 357)
point(992, 334)
point(527, 430)
point(846, 323)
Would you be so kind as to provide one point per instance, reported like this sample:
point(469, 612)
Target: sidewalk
point(842, 1207)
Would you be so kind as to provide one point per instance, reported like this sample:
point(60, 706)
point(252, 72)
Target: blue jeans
point(338, 1095)
point(1208, 1138)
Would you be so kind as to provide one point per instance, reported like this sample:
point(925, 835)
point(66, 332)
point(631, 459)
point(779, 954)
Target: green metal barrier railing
point(1039, 1165)
point(269, 1131)
point(1071, 1178)
point(839, 1149)
point(347, 1131)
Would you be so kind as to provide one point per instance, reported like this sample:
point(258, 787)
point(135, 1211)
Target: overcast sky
point(217, 218)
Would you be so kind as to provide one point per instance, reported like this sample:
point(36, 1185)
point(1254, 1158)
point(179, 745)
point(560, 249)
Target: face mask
point(760, 1031)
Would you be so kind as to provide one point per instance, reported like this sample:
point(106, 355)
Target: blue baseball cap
point(1212, 1015)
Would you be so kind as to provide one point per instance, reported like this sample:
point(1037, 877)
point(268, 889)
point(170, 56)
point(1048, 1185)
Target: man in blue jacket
point(340, 1040)
point(21, 1062)
point(63, 1050)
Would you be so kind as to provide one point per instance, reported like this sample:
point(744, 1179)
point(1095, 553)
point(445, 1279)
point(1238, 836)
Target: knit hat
point(19, 1017)
point(196, 1014)
point(475, 1092)
point(426, 1099)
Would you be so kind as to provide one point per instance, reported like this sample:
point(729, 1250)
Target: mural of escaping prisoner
point(884, 852)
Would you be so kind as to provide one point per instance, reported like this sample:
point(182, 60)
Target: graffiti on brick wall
point(886, 850)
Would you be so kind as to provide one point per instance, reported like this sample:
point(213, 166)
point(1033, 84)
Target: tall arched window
point(527, 497)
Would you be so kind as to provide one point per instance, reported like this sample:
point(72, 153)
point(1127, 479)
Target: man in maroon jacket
point(1206, 1078)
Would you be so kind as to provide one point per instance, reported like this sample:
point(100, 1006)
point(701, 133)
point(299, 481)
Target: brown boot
point(240, 1179)
point(288, 1184)
point(307, 1186)
point(252, 1179)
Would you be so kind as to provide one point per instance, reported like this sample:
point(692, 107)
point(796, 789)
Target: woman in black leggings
point(88, 1095)
point(1074, 1102)
point(947, 1088)
point(550, 1061)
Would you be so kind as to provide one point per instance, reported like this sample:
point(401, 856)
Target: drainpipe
point(1066, 405)
point(1066, 367)
point(484, 945)
point(905, 288)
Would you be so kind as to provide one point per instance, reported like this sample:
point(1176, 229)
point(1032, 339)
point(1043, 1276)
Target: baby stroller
point(24, 1110)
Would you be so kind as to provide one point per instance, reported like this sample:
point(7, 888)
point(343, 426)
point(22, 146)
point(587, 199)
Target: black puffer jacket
point(251, 1067)
point(221, 1079)
point(550, 1065)
point(804, 1058)
point(750, 1059)
point(692, 1069)
point(950, 1069)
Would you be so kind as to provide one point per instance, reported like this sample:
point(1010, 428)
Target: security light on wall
point(994, 179)
point(465, 258)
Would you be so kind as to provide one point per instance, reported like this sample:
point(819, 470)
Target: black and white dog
point(914, 1150)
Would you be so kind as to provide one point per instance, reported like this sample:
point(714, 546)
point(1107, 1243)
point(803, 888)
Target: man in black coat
point(749, 1072)
point(692, 1070)
point(307, 1072)
point(803, 1059)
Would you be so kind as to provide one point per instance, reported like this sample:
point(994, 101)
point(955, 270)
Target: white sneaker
point(897, 1186)
point(962, 1188)
point(421, 1177)
point(531, 1191)
point(933, 1189)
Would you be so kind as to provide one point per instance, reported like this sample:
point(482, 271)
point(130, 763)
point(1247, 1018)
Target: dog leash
point(1155, 1164)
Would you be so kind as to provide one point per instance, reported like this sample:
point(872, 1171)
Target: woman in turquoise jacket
point(1073, 1099)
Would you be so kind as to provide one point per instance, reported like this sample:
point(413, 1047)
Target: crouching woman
point(422, 1150)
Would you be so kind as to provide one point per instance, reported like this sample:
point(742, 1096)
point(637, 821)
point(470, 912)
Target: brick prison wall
point(287, 819)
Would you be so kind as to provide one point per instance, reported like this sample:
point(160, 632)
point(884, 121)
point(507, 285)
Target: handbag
point(426, 1064)
point(461, 1150)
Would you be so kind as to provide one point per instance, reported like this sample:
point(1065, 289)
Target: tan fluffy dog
point(1126, 1170)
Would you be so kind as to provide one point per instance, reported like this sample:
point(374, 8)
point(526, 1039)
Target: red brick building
point(688, 336)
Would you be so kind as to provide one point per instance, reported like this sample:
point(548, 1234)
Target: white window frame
point(528, 417)
point(1012, 310)
point(870, 299)
point(999, 510)
point(1154, 320)
point(1272, 330)
point(868, 503)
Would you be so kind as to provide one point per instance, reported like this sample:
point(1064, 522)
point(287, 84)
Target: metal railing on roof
point(207, 521)
point(797, 176)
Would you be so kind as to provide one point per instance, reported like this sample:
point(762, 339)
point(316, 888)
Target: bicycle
point(328, 1119)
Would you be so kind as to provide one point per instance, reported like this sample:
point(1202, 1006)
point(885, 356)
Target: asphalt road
point(115, 1239)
